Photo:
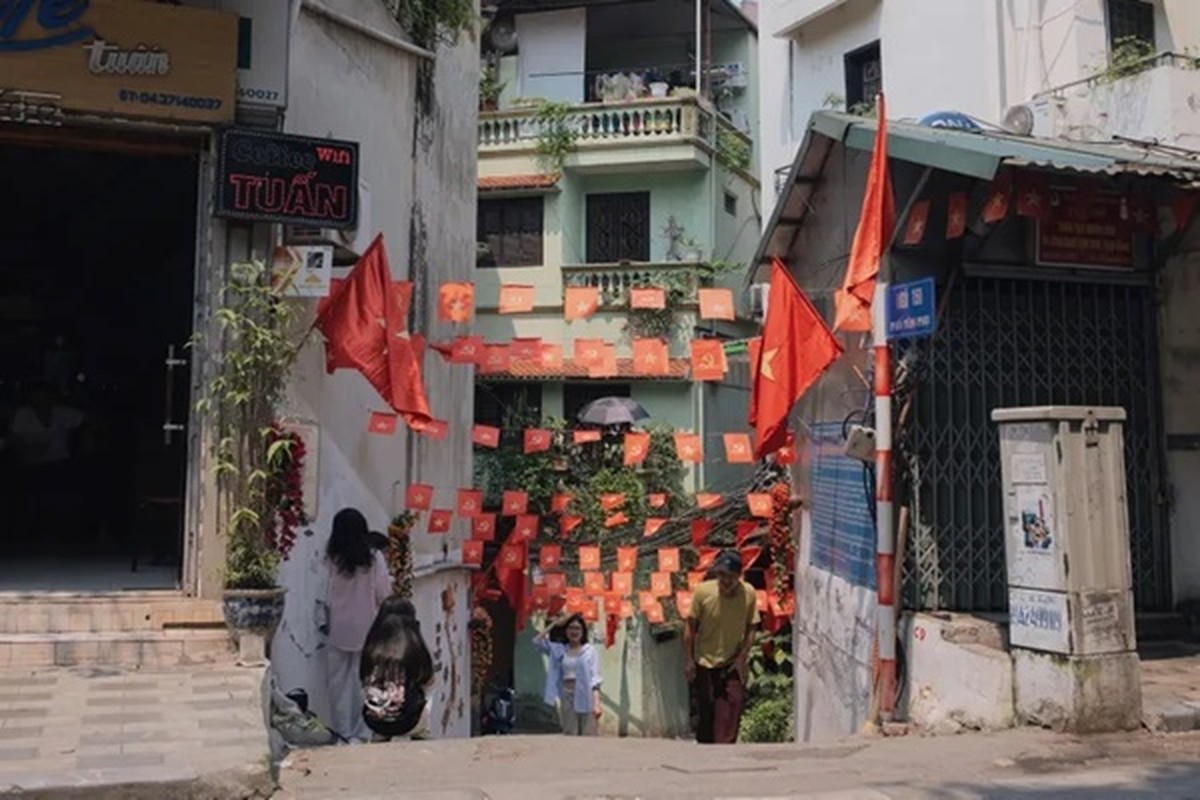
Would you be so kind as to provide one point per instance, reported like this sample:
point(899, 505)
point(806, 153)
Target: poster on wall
point(296, 180)
point(302, 271)
point(1084, 229)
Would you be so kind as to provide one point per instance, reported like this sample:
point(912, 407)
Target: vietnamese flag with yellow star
point(797, 346)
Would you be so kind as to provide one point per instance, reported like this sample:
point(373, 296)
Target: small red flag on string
point(560, 501)
point(687, 447)
point(918, 220)
point(567, 524)
point(761, 504)
point(486, 435)
point(526, 349)
point(439, 520)
point(456, 302)
point(708, 360)
point(627, 559)
point(436, 429)
point(594, 583)
point(466, 350)
point(700, 531)
point(515, 299)
point(653, 524)
point(655, 614)
point(589, 558)
point(556, 583)
point(483, 527)
point(537, 440)
point(656, 499)
point(648, 298)
point(651, 357)
point(627, 610)
point(668, 559)
point(496, 358)
point(637, 446)
point(660, 584)
point(617, 520)
point(762, 601)
point(786, 455)
point(418, 497)
point(612, 500)
point(716, 304)
point(382, 422)
point(586, 436)
point(744, 530)
point(589, 352)
point(580, 302)
point(470, 502)
point(738, 449)
point(706, 500)
point(550, 557)
point(607, 368)
point(526, 528)
point(956, 215)
point(512, 556)
point(622, 583)
point(683, 603)
point(514, 502)
point(694, 579)
point(996, 207)
point(646, 600)
point(552, 357)
point(472, 552)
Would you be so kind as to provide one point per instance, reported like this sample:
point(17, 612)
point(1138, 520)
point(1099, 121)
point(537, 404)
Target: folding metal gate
point(1002, 343)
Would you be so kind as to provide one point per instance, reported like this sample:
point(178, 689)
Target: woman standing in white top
point(573, 678)
point(358, 584)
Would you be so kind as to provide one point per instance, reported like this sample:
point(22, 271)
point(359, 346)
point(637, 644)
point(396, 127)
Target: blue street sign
point(911, 309)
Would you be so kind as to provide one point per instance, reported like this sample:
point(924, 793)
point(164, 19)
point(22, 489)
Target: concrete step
point(44, 613)
point(128, 649)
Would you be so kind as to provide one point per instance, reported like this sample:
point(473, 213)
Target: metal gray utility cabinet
point(1070, 598)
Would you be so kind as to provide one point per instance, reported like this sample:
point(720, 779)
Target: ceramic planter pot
point(253, 610)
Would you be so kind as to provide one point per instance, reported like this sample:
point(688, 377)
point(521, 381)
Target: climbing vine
point(556, 136)
point(433, 23)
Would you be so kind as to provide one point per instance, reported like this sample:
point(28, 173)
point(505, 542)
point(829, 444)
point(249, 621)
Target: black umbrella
point(612, 411)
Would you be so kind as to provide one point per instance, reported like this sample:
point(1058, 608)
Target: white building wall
point(346, 85)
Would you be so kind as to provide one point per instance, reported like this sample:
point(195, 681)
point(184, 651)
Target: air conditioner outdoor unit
point(759, 293)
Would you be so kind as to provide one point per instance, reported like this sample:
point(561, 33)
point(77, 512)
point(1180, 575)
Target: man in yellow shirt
point(716, 647)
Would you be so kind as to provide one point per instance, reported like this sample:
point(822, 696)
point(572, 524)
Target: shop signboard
point(128, 59)
point(911, 310)
point(264, 28)
point(296, 180)
point(1087, 229)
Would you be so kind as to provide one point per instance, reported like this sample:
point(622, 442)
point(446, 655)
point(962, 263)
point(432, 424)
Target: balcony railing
point(639, 122)
point(615, 280)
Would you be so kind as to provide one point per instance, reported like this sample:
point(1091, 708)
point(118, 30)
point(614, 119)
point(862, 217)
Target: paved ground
point(1171, 688)
point(1027, 763)
point(100, 733)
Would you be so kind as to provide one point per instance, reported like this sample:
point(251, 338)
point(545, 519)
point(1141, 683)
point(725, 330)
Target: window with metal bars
point(1130, 20)
point(509, 232)
point(618, 227)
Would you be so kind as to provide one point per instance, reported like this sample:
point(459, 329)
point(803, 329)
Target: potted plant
point(257, 463)
point(690, 251)
point(490, 87)
point(400, 559)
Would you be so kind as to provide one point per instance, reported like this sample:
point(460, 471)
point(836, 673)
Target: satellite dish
point(1018, 120)
point(502, 34)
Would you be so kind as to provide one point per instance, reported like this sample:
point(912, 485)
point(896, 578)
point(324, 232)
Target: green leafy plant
point(490, 86)
point(251, 365)
point(733, 152)
point(432, 23)
point(834, 102)
point(864, 108)
point(1129, 56)
point(556, 136)
point(404, 520)
point(770, 712)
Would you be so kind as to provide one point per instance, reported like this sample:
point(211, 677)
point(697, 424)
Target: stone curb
point(254, 781)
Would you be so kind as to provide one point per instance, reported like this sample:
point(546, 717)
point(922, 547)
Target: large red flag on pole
point(876, 222)
point(366, 328)
point(797, 346)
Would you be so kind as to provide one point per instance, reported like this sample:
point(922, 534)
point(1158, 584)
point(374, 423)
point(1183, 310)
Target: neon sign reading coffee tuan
point(56, 19)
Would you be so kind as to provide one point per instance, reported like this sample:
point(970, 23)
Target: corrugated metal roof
point(979, 154)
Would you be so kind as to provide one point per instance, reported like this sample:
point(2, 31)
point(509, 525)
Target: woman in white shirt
point(573, 677)
point(358, 584)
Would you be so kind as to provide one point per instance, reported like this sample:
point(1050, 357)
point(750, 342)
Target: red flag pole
point(885, 537)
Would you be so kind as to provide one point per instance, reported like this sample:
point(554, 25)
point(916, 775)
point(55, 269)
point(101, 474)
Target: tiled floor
point(98, 726)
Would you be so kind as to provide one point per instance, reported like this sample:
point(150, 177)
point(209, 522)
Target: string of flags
point(457, 301)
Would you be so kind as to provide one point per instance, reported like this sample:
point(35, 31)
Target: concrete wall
point(422, 180)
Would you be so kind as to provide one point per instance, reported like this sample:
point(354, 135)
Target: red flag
point(653, 524)
point(668, 559)
point(996, 207)
point(586, 436)
point(622, 583)
point(651, 357)
point(560, 501)
point(510, 574)
point(537, 440)
point(526, 349)
point(626, 609)
point(744, 530)
point(660, 584)
point(1033, 199)
point(694, 579)
point(365, 328)
point(761, 504)
point(656, 499)
point(439, 520)
point(589, 352)
point(683, 603)
point(552, 356)
point(786, 455)
point(466, 350)
point(496, 358)
point(956, 215)
point(627, 559)
point(589, 558)
point(876, 222)
point(738, 449)
point(472, 552)
point(556, 584)
point(580, 302)
point(708, 555)
point(708, 360)
point(515, 299)
point(716, 304)
point(646, 600)
point(526, 528)
point(513, 503)
point(483, 527)
point(687, 447)
point(486, 435)
point(749, 554)
point(918, 220)
point(655, 614)
point(418, 497)
point(700, 531)
point(705, 500)
point(637, 446)
point(594, 583)
point(550, 557)
point(456, 302)
point(653, 299)
point(470, 502)
point(611, 500)
point(437, 429)
point(607, 366)
point(617, 520)
point(797, 347)
point(569, 523)
point(381, 422)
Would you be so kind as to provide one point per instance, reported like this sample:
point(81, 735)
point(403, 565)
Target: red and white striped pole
point(885, 538)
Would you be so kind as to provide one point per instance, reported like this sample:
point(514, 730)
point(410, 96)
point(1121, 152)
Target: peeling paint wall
point(420, 173)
